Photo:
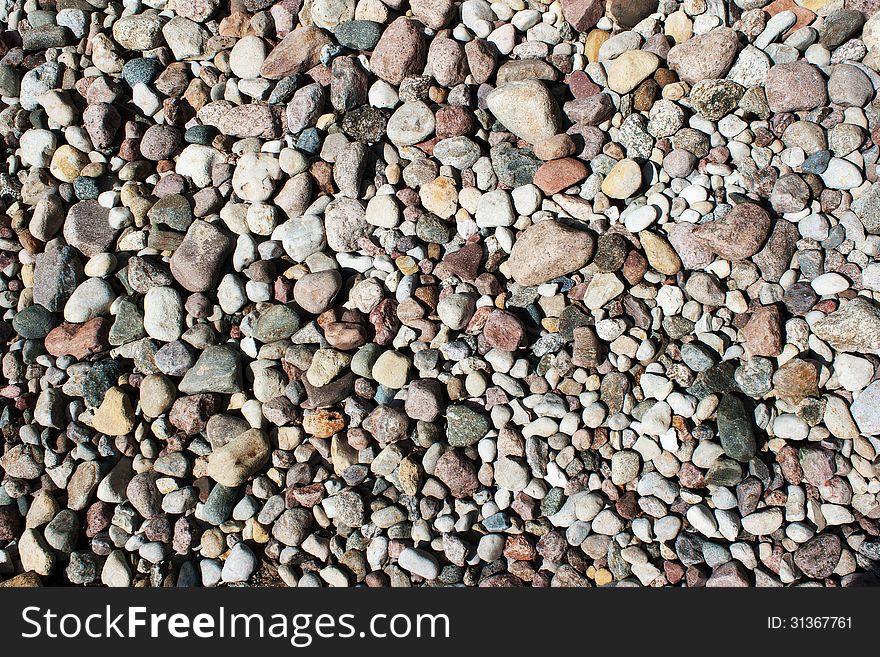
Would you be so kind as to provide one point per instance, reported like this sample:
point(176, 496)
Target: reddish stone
point(309, 495)
point(803, 16)
point(763, 332)
point(557, 175)
point(674, 571)
point(504, 330)
point(453, 121)
point(465, 263)
point(796, 380)
point(582, 86)
point(345, 335)
point(384, 320)
point(727, 575)
point(190, 414)
point(323, 423)
point(79, 340)
point(583, 14)
point(558, 146)
point(519, 548)
point(790, 464)
point(696, 576)
point(457, 472)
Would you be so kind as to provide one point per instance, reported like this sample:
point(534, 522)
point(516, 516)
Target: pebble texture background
point(428, 292)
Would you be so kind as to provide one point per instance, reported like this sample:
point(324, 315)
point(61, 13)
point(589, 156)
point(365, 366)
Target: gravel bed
point(439, 293)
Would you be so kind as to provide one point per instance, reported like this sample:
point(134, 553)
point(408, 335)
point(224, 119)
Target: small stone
point(623, 180)
point(527, 109)
point(739, 234)
point(115, 416)
point(794, 87)
point(547, 250)
point(239, 459)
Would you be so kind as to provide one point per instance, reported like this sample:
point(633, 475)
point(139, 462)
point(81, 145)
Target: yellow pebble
point(260, 533)
point(407, 264)
point(593, 42)
point(604, 577)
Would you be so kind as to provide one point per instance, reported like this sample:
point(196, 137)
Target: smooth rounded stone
point(830, 283)
point(292, 526)
point(679, 163)
point(197, 262)
point(157, 394)
point(458, 152)
point(247, 56)
point(844, 138)
point(811, 138)
point(762, 523)
point(239, 459)
point(866, 410)
point(239, 565)
point(358, 34)
point(456, 310)
point(841, 174)
point(37, 147)
point(819, 556)
point(89, 300)
point(666, 118)
point(625, 467)
point(410, 124)
point(790, 427)
point(401, 51)
point(391, 370)
point(138, 31)
point(624, 179)
point(36, 555)
point(739, 234)
point(62, 531)
point(708, 56)
point(163, 314)
point(34, 322)
point(628, 70)
point(849, 86)
point(735, 429)
point(316, 292)
point(527, 109)
point(661, 255)
point(159, 142)
point(421, 563)
point(839, 25)
point(794, 87)
point(142, 70)
point(547, 250)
